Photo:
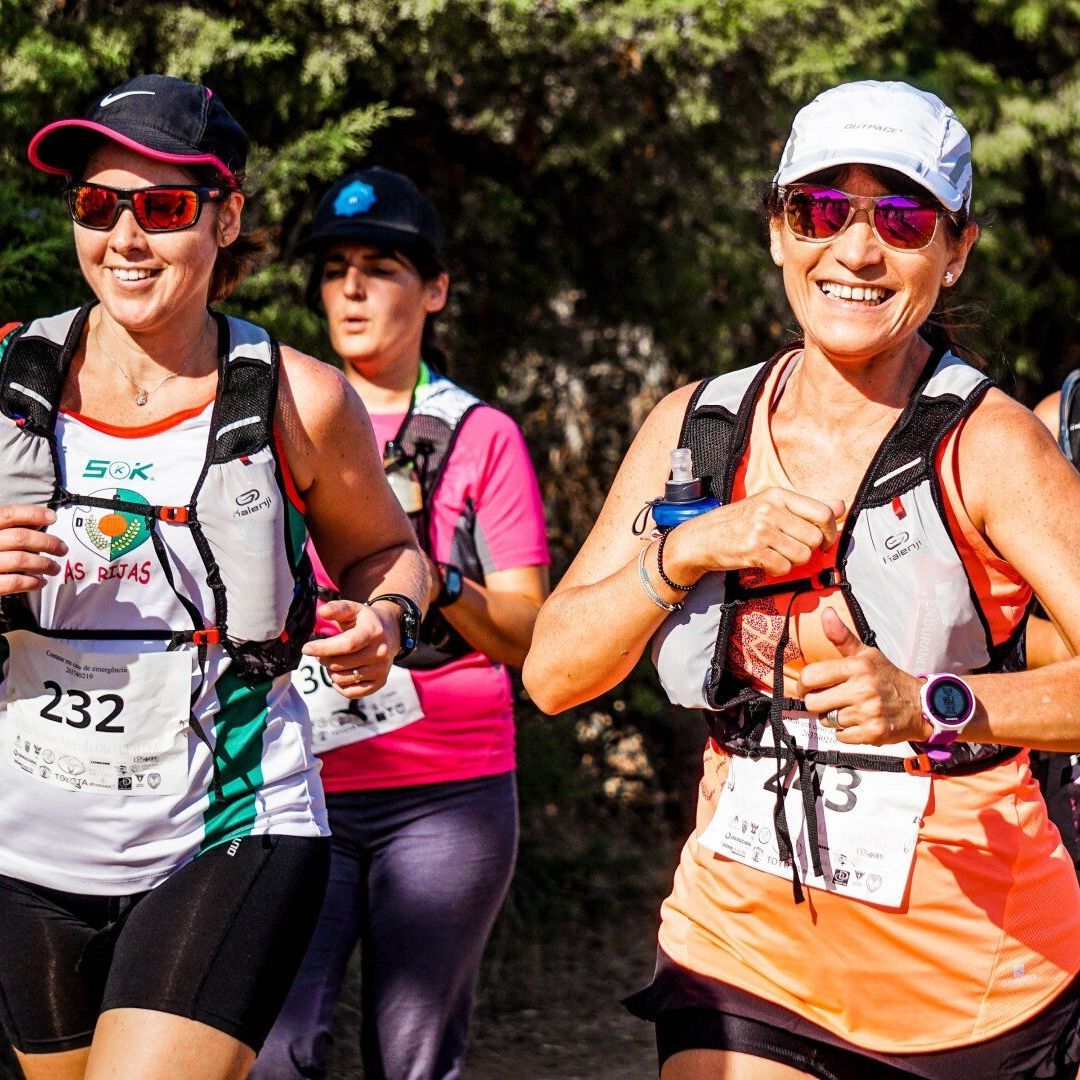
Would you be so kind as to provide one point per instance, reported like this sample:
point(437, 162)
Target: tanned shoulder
point(314, 400)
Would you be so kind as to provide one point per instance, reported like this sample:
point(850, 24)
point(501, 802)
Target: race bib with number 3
point(338, 721)
point(868, 822)
point(106, 723)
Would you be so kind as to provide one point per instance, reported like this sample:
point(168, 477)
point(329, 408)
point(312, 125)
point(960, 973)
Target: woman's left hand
point(876, 702)
point(360, 656)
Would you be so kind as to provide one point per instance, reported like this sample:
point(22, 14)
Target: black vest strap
point(32, 376)
point(429, 441)
point(243, 420)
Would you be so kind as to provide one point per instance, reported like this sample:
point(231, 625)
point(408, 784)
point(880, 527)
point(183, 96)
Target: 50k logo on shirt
point(99, 468)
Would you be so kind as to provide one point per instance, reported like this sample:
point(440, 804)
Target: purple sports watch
point(947, 704)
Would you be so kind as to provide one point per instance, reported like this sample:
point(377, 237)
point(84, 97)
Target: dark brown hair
point(247, 253)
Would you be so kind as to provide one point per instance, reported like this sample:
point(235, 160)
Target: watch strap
point(410, 621)
point(452, 584)
point(942, 736)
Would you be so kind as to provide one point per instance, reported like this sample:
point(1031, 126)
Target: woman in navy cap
point(420, 776)
point(873, 888)
point(163, 846)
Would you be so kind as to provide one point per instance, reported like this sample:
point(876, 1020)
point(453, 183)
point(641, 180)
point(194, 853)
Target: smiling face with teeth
point(857, 301)
point(152, 282)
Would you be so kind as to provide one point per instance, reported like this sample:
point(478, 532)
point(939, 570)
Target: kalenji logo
point(251, 502)
point(898, 546)
point(108, 99)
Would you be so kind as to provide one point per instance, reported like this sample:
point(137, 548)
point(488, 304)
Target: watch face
point(950, 699)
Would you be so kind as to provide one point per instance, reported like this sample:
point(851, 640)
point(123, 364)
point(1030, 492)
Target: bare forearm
point(1039, 709)
point(589, 637)
point(498, 624)
point(396, 569)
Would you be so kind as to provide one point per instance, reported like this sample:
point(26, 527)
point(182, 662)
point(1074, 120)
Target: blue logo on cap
point(354, 198)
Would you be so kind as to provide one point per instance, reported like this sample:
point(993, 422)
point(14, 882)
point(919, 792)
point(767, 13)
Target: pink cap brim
point(100, 129)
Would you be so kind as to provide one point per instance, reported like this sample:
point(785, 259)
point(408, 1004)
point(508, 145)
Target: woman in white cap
point(163, 835)
point(420, 782)
point(872, 888)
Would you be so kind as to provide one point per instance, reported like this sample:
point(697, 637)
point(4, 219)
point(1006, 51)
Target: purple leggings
point(417, 876)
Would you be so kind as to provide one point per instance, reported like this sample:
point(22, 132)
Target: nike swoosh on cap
point(108, 99)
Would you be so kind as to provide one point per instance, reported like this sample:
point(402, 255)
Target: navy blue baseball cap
point(375, 206)
point(155, 115)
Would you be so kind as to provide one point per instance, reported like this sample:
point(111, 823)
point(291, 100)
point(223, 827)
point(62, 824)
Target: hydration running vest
point(427, 437)
point(897, 567)
point(237, 516)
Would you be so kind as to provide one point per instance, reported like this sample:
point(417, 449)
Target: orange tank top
point(990, 929)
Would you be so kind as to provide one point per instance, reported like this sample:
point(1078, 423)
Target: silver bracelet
point(647, 585)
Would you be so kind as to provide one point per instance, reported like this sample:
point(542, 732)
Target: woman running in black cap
point(163, 846)
point(420, 781)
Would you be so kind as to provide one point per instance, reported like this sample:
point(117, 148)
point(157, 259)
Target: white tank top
point(106, 787)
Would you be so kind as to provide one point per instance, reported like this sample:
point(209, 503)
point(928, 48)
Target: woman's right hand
point(25, 548)
point(774, 530)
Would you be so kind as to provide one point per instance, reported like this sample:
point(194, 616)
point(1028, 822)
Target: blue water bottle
point(685, 495)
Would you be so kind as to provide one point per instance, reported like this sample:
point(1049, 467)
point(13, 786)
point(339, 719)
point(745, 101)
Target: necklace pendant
point(141, 397)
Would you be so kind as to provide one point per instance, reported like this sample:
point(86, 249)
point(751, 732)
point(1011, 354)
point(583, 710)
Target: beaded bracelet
point(646, 584)
point(660, 565)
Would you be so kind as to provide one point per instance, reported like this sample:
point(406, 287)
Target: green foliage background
point(595, 164)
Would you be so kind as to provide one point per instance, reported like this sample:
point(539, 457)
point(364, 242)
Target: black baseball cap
point(156, 115)
point(375, 206)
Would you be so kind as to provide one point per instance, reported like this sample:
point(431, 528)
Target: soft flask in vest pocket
point(685, 495)
point(403, 478)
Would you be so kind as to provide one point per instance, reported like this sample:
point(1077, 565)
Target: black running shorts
point(218, 941)
point(1046, 1047)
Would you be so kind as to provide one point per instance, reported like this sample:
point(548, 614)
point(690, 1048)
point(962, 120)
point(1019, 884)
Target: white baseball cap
point(890, 124)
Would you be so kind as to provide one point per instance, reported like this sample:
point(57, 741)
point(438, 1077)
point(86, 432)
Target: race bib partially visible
point(337, 721)
point(106, 723)
point(868, 822)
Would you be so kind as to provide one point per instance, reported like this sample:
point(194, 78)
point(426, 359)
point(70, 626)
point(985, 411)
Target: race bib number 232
point(105, 723)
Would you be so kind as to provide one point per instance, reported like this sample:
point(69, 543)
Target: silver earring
point(949, 278)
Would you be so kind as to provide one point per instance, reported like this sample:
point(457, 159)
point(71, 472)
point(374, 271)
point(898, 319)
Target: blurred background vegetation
point(596, 165)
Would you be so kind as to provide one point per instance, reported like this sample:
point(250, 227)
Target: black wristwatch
point(410, 621)
point(453, 581)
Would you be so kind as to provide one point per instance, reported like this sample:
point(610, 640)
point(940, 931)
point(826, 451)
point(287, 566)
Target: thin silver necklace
point(142, 393)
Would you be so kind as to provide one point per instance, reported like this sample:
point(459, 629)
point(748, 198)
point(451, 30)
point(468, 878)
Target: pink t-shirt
point(468, 725)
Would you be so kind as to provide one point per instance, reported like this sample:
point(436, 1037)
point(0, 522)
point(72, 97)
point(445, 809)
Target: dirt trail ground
point(552, 1011)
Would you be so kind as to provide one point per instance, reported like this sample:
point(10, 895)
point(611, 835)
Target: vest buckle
point(919, 765)
point(206, 637)
point(174, 515)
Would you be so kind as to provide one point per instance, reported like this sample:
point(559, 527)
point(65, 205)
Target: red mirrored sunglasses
point(819, 214)
point(156, 209)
